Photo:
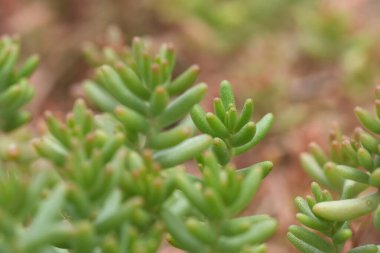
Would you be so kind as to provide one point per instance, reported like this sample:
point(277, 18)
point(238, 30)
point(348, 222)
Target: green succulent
point(351, 168)
point(15, 89)
point(150, 106)
point(116, 180)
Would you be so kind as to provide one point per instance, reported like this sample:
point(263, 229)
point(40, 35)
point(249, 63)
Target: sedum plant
point(117, 180)
point(15, 92)
point(351, 171)
point(150, 106)
point(15, 89)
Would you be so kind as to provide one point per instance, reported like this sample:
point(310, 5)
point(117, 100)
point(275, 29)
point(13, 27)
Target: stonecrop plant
point(14, 86)
point(117, 180)
point(351, 171)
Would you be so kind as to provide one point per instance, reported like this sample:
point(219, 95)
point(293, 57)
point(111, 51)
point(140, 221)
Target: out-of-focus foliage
point(327, 35)
point(14, 86)
point(231, 24)
point(15, 92)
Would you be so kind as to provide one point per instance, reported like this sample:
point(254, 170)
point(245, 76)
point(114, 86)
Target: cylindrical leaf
point(313, 169)
point(221, 151)
point(131, 119)
point(369, 142)
point(368, 121)
point(246, 114)
point(262, 128)
point(352, 173)
point(199, 118)
point(169, 138)
point(183, 81)
point(258, 233)
point(159, 100)
point(249, 188)
point(312, 239)
point(217, 126)
point(244, 135)
point(370, 248)
point(181, 106)
point(374, 178)
point(183, 151)
point(348, 209)
point(226, 94)
point(99, 96)
point(219, 109)
point(132, 81)
point(365, 159)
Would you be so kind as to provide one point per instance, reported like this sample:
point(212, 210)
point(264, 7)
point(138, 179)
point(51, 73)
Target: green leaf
point(313, 169)
point(374, 178)
point(257, 234)
point(351, 189)
point(111, 80)
point(201, 231)
point(169, 138)
point(159, 100)
point(313, 222)
point(365, 159)
point(131, 119)
point(368, 121)
point(244, 135)
point(246, 114)
point(217, 126)
point(342, 236)
point(262, 128)
point(183, 151)
point(29, 66)
point(181, 106)
point(365, 249)
point(318, 153)
point(199, 118)
point(57, 129)
point(352, 173)
point(179, 232)
point(312, 239)
point(240, 225)
point(231, 119)
point(219, 109)
point(248, 190)
point(221, 151)
point(369, 142)
point(301, 245)
point(348, 209)
point(334, 178)
point(84, 237)
point(183, 81)
point(99, 96)
point(226, 94)
point(376, 218)
point(132, 81)
point(194, 195)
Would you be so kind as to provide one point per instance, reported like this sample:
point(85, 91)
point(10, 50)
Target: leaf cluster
point(351, 168)
point(116, 180)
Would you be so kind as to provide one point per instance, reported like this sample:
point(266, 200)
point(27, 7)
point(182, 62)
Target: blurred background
point(307, 61)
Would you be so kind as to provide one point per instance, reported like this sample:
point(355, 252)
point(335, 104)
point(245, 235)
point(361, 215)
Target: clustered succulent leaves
point(15, 89)
point(117, 180)
point(351, 171)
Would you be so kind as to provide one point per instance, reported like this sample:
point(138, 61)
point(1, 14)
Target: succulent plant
point(15, 88)
point(350, 169)
point(116, 181)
